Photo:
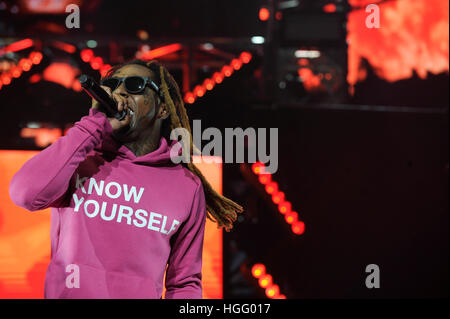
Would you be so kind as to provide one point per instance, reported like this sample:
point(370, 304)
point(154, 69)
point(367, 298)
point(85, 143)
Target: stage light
point(35, 78)
point(264, 14)
point(265, 280)
point(227, 70)
point(16, 72)
point(209, 84)
point(218, 77)
point(273, 291)
point(97, 63)
point(257, 40)
point(271, 188)
point(258, 270)
point(87, 55)
point(281, 297)
point(310, 54)
point(257, 167)
point(236, 64)
point(104, 69)
point(285, 207)
point(199, 91)
point(291, 217)
point(6, 78)
point(265, 178)
point(298, 227)
point(156, 53)
point(189, 98)
point(278, 197)
point(36, 57)
point(245, 57)
point(17, 46)
point(91, 44)
point(329, 8)
point(279, 15)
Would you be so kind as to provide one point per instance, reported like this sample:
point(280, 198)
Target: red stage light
point(265, 178)
point(258, 270)
point(279, 15)
point(16, 72)
point(17, 46)
point(199, 90)
point(278, 197)
point(6, 78)
point(209, 84)
point(245, 57)
point(258, 168)
point(156, 53)
point(35, 78)
point(227, 70)
point(97, 63)
point(86, 55)
point(298, 227)
point(329, 8)
point(189, 98)
point(104, 69)
point(264, 14)
point(265, 280)
point(285, 207)
point(236, 64)
point(36, 57)
point(218, 77)
point(273, 291)
point(271, 188)
point(291, 217)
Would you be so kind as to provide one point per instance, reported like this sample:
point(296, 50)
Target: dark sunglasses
point(133, 84)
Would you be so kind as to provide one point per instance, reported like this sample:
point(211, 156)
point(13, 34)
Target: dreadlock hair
point(219, 209)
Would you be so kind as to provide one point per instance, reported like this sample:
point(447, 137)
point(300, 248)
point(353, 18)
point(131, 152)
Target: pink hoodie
point(117, 220)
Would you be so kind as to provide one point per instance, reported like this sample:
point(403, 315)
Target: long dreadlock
point(219, 209)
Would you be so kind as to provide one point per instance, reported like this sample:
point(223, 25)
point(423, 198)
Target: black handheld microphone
point(101, 96)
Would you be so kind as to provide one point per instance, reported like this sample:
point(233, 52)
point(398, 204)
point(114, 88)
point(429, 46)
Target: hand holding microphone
point(112, 104)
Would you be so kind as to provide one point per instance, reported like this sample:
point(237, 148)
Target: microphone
point(101, 96)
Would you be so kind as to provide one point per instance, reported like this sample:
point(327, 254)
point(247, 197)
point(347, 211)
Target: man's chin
point(123, 135)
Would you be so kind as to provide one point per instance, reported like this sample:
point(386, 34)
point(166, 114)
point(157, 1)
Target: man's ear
point(163, 111)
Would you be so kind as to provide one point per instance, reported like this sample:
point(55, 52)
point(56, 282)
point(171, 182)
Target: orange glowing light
point(6, 78)
point(258, 270)
point(17, 46)
point(97, 63)
point(265, 178)
point(271, 188)
point(298, 227)
point(199, 91)
point(156, 53)
point(218, 77)
point(329, 8)
point(245, 57)
point(86, 55)
point(265, 280)
point(236, 64)
point(189, 98)
point(264, 14)
point(209, 84)
point(227, 70)
point(291, 217)
point(413, 37)
point(61, 73)
point(272, 291)
point(285, 207)
point(16, 72)
point(278, 197)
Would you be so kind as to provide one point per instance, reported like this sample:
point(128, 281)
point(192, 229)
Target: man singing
point(122, 211)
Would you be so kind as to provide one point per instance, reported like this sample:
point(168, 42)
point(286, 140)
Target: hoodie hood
point(160, 156)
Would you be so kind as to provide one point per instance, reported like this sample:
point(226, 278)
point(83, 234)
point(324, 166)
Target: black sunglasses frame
point(146, 80)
